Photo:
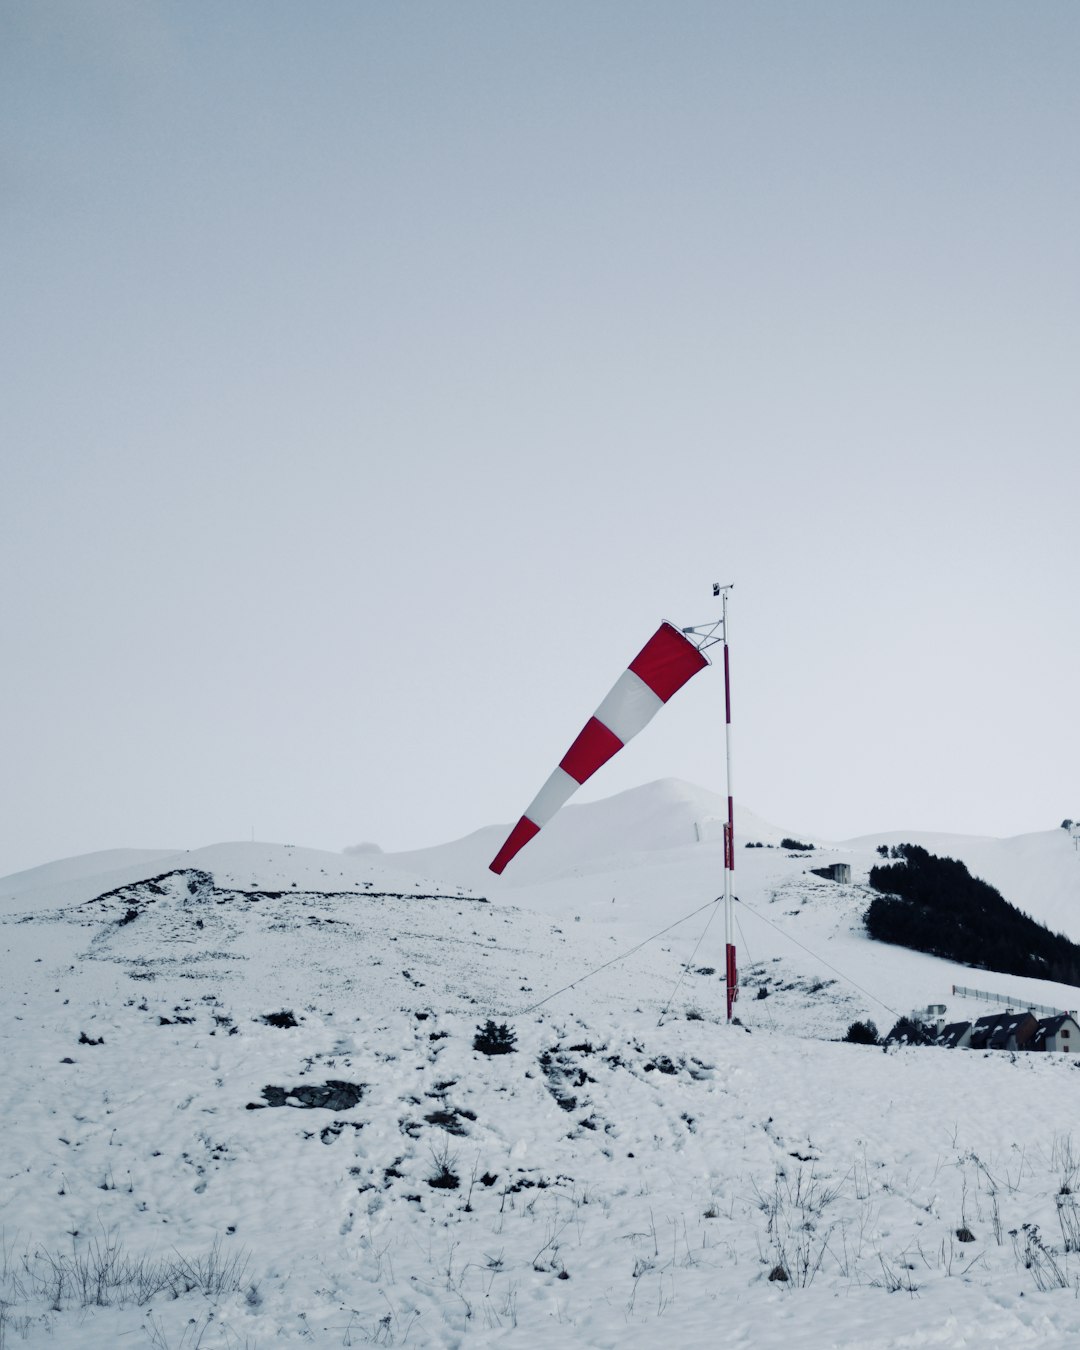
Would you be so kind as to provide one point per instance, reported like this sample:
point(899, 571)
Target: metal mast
point(707, 634)
point(731, 972)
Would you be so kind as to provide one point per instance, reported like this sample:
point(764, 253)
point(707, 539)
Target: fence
point(1010, 1000)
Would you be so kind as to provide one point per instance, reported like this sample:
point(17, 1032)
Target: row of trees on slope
point(935, 905)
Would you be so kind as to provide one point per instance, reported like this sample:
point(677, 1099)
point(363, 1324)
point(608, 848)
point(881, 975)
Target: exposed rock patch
point(332, 1095)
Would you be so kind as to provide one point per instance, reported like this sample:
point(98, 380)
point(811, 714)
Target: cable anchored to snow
point(846, 978)
point(750, 959)
point(686, 966)
point(615, 959)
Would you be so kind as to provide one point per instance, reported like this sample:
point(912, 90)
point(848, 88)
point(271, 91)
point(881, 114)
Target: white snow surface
point(64, 884)
point(631, 1174)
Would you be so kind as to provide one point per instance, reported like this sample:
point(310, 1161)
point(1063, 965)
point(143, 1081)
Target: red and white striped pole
point(731, 972)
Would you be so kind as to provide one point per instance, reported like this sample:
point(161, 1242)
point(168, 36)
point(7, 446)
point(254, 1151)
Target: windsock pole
point(731, 971)
point(707, 635)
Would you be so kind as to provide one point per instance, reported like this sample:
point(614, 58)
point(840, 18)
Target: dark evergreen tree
point(495, 1039)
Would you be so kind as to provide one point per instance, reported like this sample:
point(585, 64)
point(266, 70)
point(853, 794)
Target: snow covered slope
point(252, 866)
point(234, 1078)
point(641, 860)
point(47, 886)
point(661, 816)
point(1040, 872)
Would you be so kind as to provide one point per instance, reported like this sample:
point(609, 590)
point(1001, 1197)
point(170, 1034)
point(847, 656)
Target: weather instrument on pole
point(670, 658)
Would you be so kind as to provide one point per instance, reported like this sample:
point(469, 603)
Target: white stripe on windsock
point(555, 793)
point(629, 707)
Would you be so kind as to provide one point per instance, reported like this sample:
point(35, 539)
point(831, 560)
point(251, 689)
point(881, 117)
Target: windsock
point(659, 670)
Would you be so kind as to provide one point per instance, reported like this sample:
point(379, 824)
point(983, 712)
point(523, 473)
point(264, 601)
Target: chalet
point(1061, 1034)
point(1004, 1031)
point(956, 1036)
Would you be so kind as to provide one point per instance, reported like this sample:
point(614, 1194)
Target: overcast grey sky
point(377, 376)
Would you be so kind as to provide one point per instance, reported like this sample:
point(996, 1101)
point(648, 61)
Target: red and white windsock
point(659, 670)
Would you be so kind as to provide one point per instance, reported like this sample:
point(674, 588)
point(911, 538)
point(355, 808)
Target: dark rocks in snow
point(562, 1073)
point(330, 1096)
point(451, 1120)
point(330, 1132)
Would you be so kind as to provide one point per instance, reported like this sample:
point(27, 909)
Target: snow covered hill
point(240, 1081)
point(73, 881)
point(657, 817)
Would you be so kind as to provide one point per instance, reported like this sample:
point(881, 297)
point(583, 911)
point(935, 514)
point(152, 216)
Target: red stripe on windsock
point(520, 835)
point(667, 661)
point(593, 747)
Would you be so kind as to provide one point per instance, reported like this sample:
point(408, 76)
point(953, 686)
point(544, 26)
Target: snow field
point(620, 1182)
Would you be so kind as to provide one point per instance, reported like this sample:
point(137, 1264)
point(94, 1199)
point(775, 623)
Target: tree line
point(935, 905)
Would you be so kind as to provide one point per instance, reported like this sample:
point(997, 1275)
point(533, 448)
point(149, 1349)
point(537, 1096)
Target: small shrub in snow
point(104, 1274)
point(1037, 1257)
point(862, 1033)
point(894, 1279)
point(1069, 1219)
point(492, 1039)
point(443, 1176)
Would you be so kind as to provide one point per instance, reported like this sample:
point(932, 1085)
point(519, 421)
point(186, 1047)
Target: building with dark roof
point(1060, 1034)
point(956, 1036)
point(1009, 1030)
